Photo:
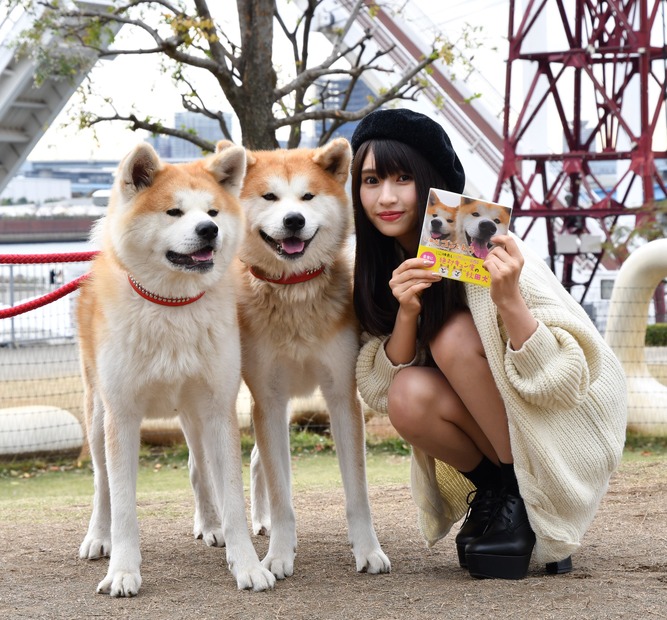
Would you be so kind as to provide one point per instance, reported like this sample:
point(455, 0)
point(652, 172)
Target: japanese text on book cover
point(456, 234)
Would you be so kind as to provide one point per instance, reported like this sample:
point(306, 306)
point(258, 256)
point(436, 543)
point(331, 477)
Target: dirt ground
point(620, 571)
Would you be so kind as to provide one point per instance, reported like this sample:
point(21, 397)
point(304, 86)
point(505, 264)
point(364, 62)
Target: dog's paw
point(374, 562)
point(212, 536)
point(261, 521)
point(95, 548)
point(120, 584)
point(260, 529)
point(247, 569)
point(207, 526)
point(257, 579)
point(260, 516)
point(280, 566)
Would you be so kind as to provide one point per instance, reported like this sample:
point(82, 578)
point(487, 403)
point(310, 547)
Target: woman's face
point(390, 204)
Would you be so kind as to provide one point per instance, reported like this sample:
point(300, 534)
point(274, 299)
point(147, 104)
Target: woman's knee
point(409, 399)
point(457, 341)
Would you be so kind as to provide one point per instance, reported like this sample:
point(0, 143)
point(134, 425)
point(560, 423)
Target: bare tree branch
point(153, 127)
point(192, 42)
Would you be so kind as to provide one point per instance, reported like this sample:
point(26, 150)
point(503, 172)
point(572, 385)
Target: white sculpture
point(637, 280)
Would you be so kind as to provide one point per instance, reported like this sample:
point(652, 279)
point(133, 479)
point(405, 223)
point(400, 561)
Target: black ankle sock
point(509, 478)
point(486, 475)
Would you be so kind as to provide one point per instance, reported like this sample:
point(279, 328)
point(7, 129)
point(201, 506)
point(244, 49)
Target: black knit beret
point(418, 131)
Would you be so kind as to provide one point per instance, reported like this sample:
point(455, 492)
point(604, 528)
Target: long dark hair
point(377, 255)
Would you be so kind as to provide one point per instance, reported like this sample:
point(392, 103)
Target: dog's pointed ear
point(228, 166)
point(138, 169)
point(251, 158)
point(222, 145)
point(334, 158)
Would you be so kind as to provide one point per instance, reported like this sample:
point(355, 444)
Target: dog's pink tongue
point(480, 250)
point(292, 245)
point(202, 255)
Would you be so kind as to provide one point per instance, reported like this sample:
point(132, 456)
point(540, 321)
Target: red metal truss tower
point(605, 92)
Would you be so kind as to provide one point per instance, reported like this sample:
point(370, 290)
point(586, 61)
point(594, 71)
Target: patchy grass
point(313, 458)
point(642, 446)
point(164, 471)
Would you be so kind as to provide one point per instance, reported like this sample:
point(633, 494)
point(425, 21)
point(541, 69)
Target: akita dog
point(476, 222)
point(298, 332)
point(440, 226)
point(159, 336)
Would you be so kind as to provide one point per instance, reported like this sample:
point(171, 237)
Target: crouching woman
point(514, 405)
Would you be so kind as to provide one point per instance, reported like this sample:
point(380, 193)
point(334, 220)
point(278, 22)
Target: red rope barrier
point(28, 259)
point(66, 289)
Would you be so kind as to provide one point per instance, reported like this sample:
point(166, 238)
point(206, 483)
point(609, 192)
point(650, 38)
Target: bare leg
point(458, 352)
point(426, 411)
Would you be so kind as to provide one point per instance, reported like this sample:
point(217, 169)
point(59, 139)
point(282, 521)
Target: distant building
point(177, 149)
point(335, 91)
point(83, 176)
point(36, 190)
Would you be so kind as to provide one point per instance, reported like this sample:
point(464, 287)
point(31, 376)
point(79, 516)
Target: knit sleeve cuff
point(375, 372)
point(549, 369)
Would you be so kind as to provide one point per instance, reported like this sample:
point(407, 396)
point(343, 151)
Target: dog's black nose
point(207, 230)
point(436, 224)
point(294, 221)
point(487, 228)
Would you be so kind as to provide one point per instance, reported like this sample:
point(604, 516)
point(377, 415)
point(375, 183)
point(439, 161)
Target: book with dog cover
point(456, 234)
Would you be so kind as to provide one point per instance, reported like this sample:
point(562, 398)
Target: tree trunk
point(253, 103)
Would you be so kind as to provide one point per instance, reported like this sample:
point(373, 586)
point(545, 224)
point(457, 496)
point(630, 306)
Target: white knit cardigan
point(565, 396)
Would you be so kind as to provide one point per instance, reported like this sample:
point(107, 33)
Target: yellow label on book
point(456, 235)
point(455, 265)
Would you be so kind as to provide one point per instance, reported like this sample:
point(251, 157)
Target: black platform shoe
point(480, 509)
point(561, 567)
point(503, 551)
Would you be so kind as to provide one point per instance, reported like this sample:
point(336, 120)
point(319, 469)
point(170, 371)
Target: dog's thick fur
point(175, 229)
point(476, 222)
point(296, 337)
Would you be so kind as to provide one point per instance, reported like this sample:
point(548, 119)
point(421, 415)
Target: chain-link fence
point(40, 380)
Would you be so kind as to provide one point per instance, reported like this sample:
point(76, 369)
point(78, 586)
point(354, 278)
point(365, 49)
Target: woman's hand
point(504, 264)
point(408, 281)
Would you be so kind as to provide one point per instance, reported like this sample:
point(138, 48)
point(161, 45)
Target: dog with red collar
point(159, 336)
